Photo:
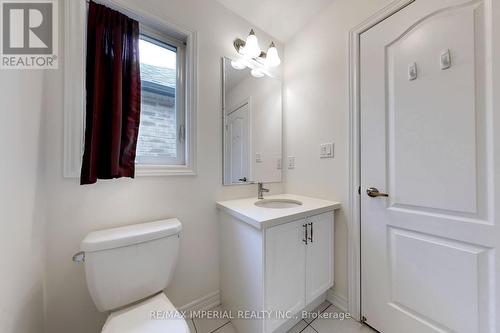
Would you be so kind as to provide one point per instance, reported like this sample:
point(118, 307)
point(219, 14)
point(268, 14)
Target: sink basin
point(278, 203)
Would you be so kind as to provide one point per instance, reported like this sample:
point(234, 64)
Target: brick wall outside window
point(158, 132)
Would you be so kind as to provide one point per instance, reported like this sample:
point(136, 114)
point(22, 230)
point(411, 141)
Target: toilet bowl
point(154, 315)
point(127, 269)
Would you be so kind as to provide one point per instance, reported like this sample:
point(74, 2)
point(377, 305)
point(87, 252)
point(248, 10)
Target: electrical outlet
point(291, 162)
point(258, 157)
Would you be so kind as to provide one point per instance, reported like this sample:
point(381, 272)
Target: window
point(178, 158)
point(161, 138)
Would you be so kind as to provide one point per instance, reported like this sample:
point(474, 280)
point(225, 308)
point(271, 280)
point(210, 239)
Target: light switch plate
point(291, 162)
point(326, 150)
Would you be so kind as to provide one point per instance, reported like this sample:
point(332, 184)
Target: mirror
point(252, 127)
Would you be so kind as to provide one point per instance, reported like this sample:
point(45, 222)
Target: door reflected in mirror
point(252, 123)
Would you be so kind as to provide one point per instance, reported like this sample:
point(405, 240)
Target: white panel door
point(285, 270)
point(319, 255)
point(428, 132)
point(238, 150)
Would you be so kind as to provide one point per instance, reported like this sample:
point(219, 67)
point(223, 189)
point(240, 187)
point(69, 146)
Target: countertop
point(262, 218)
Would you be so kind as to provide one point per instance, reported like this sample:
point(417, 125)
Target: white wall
point(317, 111)
point(316, 73)
point(75, 210)
point(22, 222)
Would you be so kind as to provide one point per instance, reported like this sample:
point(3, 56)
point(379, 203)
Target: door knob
point(374, 192)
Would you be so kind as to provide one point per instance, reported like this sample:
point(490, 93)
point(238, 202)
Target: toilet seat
point(138, 318)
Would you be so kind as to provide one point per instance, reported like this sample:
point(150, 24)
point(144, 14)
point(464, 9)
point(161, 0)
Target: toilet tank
point(126, 264)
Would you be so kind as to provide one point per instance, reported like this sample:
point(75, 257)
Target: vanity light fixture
point(238, 64)
point(248, 48)
point(252, 56)
point(257, 72)
point(272, 57)
point(252, 49)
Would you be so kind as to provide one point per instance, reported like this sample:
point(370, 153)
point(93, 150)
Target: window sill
point(164, 170)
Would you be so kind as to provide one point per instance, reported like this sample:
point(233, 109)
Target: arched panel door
point(428, 130)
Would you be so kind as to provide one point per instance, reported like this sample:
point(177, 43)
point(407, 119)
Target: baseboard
point(212, 300)
point(339, 301)
point(206, 302)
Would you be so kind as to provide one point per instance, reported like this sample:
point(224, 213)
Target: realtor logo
point(29, 34)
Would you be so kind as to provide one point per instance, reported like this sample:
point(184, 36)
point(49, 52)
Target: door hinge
point(359, 190)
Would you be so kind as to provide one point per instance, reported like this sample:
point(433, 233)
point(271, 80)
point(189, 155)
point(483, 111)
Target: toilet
point(126, 270)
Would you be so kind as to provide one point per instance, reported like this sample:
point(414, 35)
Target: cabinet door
point(285, 270)
point(319, 255)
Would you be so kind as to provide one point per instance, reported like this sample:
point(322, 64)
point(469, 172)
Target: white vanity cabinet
point(274, 262)
point(319, 256)
point(297, 269)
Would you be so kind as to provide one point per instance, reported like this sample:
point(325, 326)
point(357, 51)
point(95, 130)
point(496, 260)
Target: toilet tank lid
point(130, 235)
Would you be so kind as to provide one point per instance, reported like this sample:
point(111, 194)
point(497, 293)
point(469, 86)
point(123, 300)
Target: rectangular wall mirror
point(252, 127)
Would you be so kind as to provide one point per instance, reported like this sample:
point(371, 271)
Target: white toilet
point(127, 269)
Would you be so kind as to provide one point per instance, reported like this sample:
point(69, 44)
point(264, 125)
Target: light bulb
point(257, 73)
point(237, 64)
point(272, 57)
point(252, 49)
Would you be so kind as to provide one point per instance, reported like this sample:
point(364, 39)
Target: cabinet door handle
point(305, 233)
point(311, 237)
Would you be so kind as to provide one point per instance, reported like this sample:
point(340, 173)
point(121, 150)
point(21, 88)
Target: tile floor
point(328, 322)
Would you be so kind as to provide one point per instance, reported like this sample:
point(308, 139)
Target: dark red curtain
point(113, 95)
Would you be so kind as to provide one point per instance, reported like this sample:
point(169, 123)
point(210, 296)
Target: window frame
point(163, 40)
point(75, 24)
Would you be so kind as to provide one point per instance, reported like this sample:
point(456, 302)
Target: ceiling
point(280, 18)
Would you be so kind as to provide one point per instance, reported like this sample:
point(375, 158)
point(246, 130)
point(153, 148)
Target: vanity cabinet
point(274, 262)
point(299, 264)
point(319, 256)
point(285, 273)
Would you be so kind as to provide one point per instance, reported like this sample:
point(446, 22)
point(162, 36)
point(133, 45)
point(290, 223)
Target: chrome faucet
point(261, 190)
